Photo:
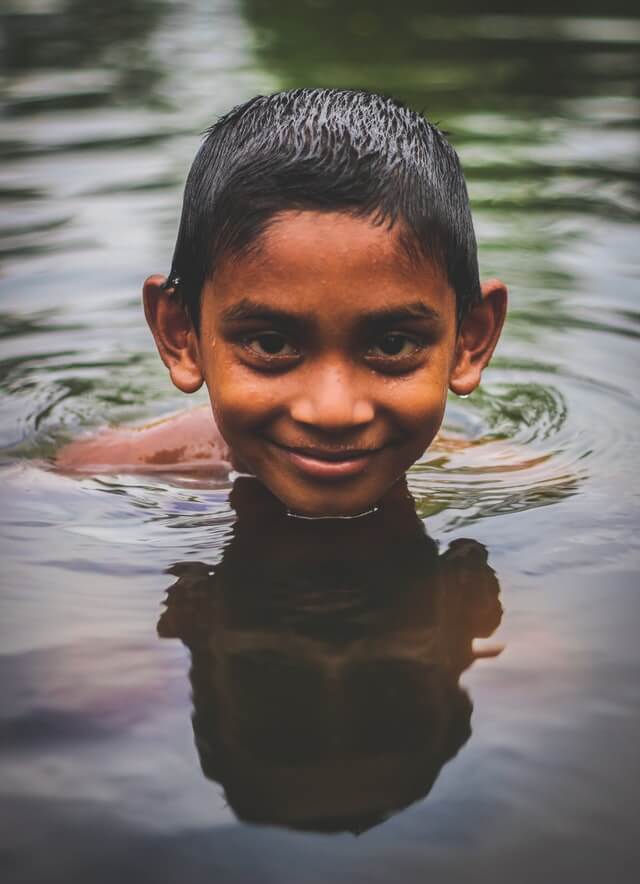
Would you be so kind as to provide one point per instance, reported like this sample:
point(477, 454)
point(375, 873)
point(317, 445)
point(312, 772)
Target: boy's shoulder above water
point(188, 440)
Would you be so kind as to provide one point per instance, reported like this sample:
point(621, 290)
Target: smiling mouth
point(329, 464)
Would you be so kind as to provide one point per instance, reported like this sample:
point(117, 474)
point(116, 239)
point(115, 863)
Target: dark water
point(195, 689)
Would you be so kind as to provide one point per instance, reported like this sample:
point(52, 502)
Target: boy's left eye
point(395, 345)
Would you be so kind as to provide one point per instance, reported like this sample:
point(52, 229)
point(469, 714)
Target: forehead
point(329, 263)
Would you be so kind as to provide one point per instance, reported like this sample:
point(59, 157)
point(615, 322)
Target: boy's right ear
point(174, 334)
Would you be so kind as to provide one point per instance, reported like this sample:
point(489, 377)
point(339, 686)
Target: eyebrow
point(413, 310)
point(247, 309)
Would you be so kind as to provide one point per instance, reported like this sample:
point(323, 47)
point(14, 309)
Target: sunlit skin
point(327, 355)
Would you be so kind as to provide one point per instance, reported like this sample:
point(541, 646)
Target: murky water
point(195, 689)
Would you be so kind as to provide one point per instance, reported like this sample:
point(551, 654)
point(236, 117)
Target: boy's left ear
point(477, 337)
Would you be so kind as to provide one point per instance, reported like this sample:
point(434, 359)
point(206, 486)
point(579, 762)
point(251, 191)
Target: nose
point(332, 400)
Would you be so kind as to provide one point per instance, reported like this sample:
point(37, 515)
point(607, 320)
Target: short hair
point(328, 150)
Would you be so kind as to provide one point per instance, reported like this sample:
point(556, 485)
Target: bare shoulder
point(188, 440)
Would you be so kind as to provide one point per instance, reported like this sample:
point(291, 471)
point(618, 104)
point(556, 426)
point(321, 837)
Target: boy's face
point(327, 357)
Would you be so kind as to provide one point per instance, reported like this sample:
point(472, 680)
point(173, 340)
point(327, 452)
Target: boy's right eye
point(270, 345)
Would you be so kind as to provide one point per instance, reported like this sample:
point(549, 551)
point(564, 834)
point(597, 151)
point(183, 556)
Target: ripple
point(44, 321)
point(196, 509)
point(513, 446)
point(526, 411)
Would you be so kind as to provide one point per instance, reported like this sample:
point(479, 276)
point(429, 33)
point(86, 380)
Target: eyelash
point(246, 342)
point(277, 361)
point(417, 341)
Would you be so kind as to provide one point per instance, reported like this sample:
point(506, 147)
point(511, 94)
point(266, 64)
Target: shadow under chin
point(325, 663)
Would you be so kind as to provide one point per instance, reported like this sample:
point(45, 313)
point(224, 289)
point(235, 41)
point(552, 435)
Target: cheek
point(417, 406)
point(239, 399)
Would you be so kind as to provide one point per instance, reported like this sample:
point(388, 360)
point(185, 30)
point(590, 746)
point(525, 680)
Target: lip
point(328, 464)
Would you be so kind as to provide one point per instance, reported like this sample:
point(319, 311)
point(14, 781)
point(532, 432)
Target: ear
point(477, 338)
point(174, 334)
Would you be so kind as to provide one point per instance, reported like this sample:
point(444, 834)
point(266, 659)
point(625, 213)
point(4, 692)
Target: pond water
point(196, 689)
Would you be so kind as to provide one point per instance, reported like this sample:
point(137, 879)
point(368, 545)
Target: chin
point(333, 502)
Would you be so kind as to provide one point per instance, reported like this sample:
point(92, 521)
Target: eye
point(269, 345)
point(395, 345)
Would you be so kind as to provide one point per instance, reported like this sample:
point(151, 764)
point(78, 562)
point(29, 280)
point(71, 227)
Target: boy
point(325, 287)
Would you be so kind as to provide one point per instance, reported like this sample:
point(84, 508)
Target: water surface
point(196, 688)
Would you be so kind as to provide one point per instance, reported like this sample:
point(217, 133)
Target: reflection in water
point(79, 35)
point(326, 658)
point(437, 49)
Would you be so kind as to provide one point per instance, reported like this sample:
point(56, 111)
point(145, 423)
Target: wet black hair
point(331, 150)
